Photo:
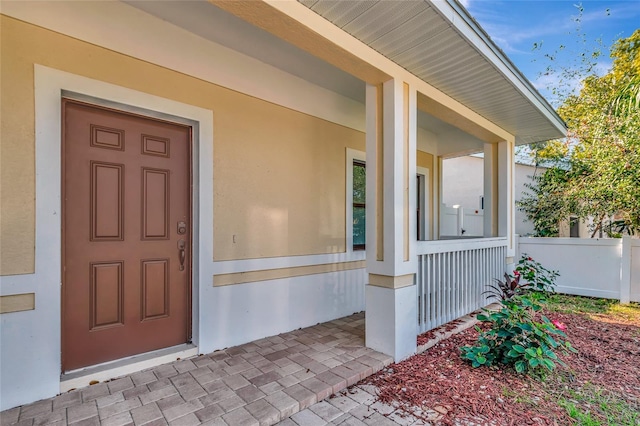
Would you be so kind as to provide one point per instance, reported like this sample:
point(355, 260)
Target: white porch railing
point(453, 274)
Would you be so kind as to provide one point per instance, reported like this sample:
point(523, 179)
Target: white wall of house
point(462, 184)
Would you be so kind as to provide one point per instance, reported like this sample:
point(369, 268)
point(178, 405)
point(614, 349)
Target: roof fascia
point(469, 28)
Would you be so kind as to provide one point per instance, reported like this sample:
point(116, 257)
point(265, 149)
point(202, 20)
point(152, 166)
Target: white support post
point(391, 316)
point(625, 271)
point(460, 211)
point(490, 190)
point(437, 197)
point(506, 194)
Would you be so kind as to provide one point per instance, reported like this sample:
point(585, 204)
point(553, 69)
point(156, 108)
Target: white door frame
point(50, 86)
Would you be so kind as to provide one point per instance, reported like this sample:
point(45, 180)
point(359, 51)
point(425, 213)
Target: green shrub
point(505, 290)
point(536, 275)
point(516, 339)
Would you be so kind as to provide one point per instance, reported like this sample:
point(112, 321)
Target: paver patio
point(258, 383)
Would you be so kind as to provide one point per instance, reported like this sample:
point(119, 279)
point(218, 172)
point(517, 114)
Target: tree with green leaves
point(602, 179)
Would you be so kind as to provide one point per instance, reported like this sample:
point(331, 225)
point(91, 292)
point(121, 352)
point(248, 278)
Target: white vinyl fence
point(455, 220)
point(608, 268)
point(453, 274)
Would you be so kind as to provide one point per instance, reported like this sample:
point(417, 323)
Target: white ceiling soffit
point(440, 43)
point(209, 22)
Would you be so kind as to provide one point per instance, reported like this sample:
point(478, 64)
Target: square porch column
point(391, 312)
point(499, 194)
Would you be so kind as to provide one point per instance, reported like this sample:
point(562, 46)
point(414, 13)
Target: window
point(359, 205)
point(356, 229)
point(355, 203)
point(574, 227)
point(422, 204)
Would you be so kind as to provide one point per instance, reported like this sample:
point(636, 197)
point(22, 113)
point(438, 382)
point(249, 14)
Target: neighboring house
point(178, 177)
point(462, 184)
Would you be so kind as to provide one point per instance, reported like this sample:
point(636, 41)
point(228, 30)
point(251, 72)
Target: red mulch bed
point(608, 357)
point(426, 337)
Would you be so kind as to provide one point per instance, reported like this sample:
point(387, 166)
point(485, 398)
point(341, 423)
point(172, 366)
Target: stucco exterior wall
point(263, 169)
point(278, 185)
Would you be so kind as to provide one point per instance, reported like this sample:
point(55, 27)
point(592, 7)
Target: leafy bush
point(533, 273)
point(516, 339)
point(529, 276)
point(504, 290)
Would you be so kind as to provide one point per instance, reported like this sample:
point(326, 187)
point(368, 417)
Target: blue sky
point(516, 25)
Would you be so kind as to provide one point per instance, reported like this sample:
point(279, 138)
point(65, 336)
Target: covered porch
point(282, 98)
point(261, 382)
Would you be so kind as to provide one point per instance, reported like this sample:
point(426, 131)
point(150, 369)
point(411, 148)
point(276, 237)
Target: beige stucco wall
point(279, 175)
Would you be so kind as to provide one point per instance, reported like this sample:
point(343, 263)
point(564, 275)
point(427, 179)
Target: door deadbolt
point(182, 228)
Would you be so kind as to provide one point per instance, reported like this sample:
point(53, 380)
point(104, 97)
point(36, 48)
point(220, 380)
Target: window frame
point(353, 156)
point(422, 173)
point(423, 225)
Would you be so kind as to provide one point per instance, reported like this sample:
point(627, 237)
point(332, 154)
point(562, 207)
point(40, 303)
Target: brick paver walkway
point(359, 406)
point(259, 383)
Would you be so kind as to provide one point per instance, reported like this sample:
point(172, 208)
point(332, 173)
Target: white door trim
point(50, 86)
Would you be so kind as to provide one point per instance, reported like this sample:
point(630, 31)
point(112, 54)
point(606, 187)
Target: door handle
point(181, 253)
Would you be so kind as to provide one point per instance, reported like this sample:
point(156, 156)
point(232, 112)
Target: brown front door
point(126, 234)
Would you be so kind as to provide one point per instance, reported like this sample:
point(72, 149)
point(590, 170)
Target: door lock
point(182, 228)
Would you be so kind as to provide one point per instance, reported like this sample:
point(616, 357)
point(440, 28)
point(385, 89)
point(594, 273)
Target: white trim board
point(247, 265)
point(83, 377)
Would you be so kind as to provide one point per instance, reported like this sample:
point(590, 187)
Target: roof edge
point(499, 55)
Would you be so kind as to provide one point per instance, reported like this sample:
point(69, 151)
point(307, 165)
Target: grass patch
point(592, 306)
point(628, 312)
point(588, 404)
point(520, 397)
point(578, 304)
point(593, 406)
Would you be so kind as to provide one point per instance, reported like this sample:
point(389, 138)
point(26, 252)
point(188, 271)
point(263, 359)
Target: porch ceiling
point(443, 45)
point(436, 41)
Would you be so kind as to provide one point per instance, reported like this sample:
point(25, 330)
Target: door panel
point(126, 187)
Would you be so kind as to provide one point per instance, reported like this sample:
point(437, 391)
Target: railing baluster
point(422, 292)
point(451, 282)
point(419, 294)
point(434, 283)
point(446, 313)
point(442, 287)
point(467, 275)
point(458, 284)
point(449, 314)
